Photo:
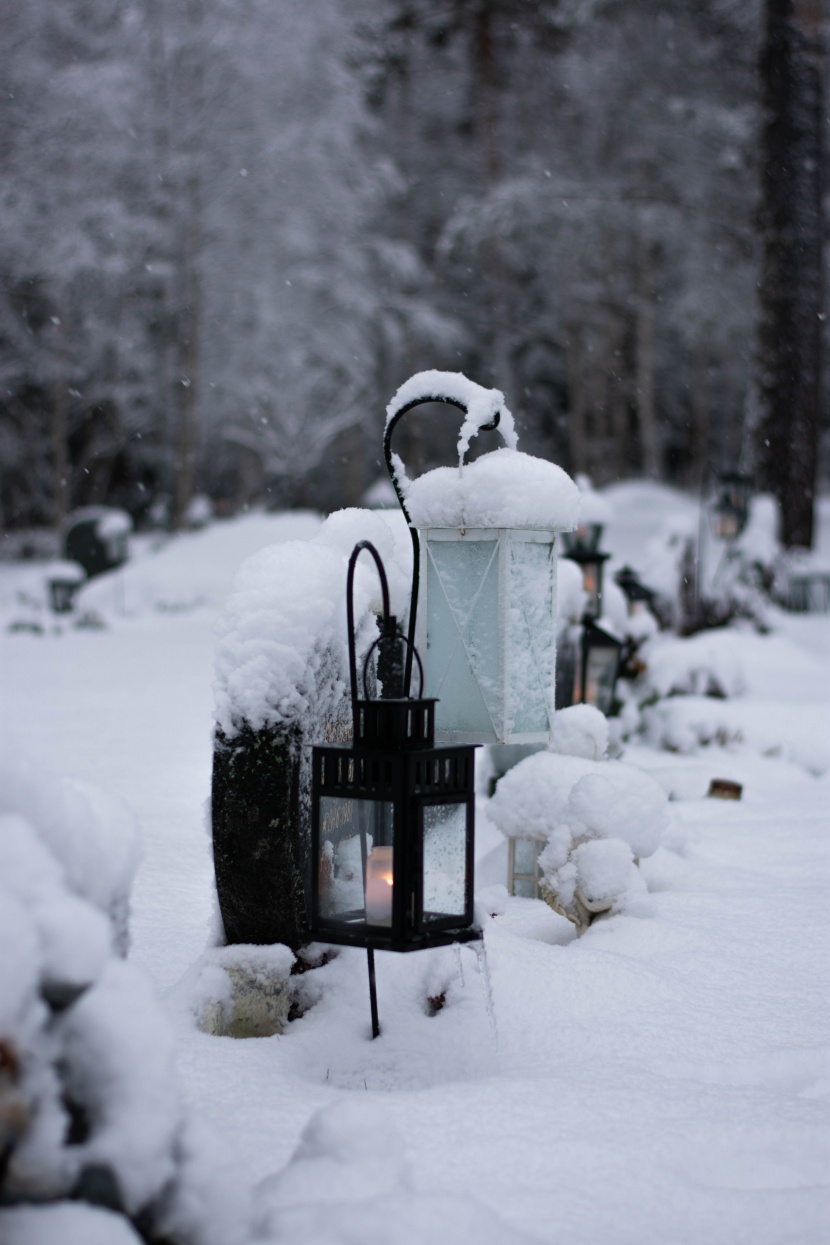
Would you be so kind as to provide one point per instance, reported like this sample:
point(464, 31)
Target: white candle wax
point(379, 886)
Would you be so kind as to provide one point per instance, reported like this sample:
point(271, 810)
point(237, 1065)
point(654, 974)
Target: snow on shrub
point(89, 1104)
point(92, 837)
point(580, 731)
point(282, 655)
point(597, 818)
point(599, 878)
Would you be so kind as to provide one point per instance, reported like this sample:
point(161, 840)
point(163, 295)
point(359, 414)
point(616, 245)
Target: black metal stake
point(373, 997)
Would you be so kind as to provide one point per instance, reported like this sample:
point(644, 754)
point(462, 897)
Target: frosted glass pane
point(350, 830)
point(462, 655)
point(445, 860)
point(525, 888)
point(531, 648)
point(599, 677)
point(525, 853)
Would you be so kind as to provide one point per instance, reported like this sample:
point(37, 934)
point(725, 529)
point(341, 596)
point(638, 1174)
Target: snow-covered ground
point(664, 1077)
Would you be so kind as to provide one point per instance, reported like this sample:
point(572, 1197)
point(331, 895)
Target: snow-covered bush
point(90, 1110)
point(282, 656)
point(91, 836)
point(580, 731)
point(597, 819)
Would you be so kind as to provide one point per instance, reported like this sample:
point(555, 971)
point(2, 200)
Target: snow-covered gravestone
point(484, 593)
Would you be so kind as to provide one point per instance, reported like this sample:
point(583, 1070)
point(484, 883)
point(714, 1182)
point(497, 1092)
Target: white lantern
point(483, 613)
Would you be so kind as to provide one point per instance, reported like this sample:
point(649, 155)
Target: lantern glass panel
point(531, 650)
point(524, 856)
point(463, 657)
point(600, 674)
point(355, 860)
point(487, 633)
point(445, 880)
point(523, 867)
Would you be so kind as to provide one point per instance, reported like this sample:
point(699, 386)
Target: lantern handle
point(384, 585)
point(416, 542)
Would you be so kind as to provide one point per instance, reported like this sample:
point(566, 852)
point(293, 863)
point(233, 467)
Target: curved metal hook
point(390, 427)
point(355, 554)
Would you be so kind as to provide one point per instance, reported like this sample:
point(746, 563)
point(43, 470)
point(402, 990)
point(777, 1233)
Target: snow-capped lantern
point(730, 510)
point(392, 822)
point(483, 604)
point(582, 544)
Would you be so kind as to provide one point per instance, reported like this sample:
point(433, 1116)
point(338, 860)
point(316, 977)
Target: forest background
point(231, 229)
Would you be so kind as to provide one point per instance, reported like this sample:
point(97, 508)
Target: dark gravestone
point(259, 848)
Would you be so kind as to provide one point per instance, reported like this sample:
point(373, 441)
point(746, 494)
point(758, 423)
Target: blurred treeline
point(231, 229)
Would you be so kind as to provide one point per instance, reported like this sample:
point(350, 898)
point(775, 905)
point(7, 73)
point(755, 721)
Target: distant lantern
point(65, 580)
point(392, 822)
point(483, 604)
point(730, 509)
point(637, 595)
point(589, 667)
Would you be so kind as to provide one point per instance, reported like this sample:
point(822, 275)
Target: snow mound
point(193, 570)
point(580, 731)
point(89, 1103)
point(504, 488)
point(348, 1181)
point(546, 792)
point(92, 837)
point(708, 663)
point(65, 1223)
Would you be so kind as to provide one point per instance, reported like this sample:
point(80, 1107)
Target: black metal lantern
point(638, 596)
point(583, 539)
point(392, 821)
point(731, 509)
point(587, 669)
point(64, 580)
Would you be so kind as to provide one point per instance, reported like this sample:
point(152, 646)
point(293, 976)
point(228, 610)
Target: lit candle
point(379, 886)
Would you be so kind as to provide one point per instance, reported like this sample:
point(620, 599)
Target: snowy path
point(659, 1079)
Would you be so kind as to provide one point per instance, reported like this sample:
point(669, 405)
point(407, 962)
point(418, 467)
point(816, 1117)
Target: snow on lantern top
point(502, 489)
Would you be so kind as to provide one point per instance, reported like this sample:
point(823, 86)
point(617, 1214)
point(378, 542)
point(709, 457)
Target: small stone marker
point(725, 789)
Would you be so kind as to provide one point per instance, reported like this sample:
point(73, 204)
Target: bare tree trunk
point(189, 327)
point(618, 410)
point(645, 360)
point(189, 319)
point(701, 417)
point(60, 421)
point(486, 99)
point(162, 179)
point(577, 412)
point(789, 363)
